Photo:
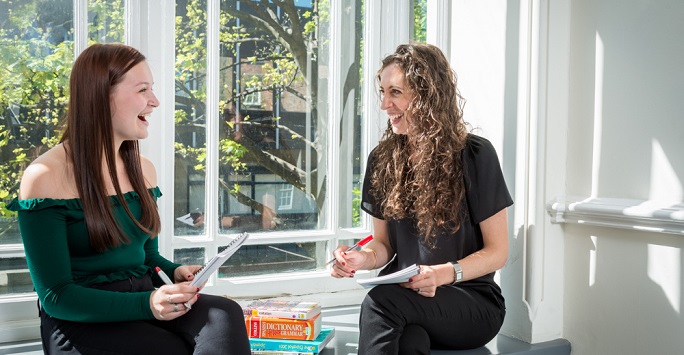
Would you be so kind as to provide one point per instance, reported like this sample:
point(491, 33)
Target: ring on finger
point(175, 307)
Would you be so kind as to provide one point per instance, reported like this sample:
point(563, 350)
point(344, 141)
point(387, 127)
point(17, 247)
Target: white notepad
point(400, 276)
point(214, 263)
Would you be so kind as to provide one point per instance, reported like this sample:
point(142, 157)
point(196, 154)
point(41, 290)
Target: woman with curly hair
point(438, 199)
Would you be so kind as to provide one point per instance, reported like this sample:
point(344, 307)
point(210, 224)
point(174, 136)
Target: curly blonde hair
point(420, 175)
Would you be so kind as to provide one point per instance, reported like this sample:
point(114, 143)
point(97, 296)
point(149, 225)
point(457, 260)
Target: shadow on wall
point(629, 291)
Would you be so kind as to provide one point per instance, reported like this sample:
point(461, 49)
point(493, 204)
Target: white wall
point(625, 128)
point(498, 49)
point(583, 98)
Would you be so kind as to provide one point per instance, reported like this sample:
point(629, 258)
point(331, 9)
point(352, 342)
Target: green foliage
point(107, 21)
point(34, 69)
point(280, 36)
point(419, 20)
point(356, 207)
point(37, 52)
point(36, 55)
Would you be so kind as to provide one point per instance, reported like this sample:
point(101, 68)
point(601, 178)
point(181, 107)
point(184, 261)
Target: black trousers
point(397, 320)
point(215, 325)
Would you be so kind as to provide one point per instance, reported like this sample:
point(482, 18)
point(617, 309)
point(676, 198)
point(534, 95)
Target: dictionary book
point(283, 328)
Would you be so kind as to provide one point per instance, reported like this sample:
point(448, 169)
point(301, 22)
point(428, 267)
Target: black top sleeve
point(368, 201)
point(486, 189)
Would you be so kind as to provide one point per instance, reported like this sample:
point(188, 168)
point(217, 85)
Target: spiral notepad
point(214, 263)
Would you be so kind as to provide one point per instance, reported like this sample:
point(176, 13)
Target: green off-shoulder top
point(63, 265)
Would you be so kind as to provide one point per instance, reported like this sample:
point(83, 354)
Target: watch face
point(458, 271)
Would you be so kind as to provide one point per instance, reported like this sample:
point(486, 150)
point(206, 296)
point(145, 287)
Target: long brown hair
point(420, 175)
point(89, 137)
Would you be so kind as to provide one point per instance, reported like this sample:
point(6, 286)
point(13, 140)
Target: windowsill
point(644, 215)
point(25, 332)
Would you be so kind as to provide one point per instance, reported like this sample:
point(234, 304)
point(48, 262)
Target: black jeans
point(397, 320)
point(215, 325)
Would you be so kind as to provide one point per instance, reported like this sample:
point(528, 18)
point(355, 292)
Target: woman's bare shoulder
point(49, 176)
point(149, 171)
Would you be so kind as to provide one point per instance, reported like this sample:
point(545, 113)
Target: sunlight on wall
point(664, 268)
point(592, 262)
point(665, 184)
point(598, 115)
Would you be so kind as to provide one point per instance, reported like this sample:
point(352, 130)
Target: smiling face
point(132, 102)
point(396, 97)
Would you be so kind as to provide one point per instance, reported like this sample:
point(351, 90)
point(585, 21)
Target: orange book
point(283, 328)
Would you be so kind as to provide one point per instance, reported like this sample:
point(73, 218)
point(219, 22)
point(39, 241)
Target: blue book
point(303, 346)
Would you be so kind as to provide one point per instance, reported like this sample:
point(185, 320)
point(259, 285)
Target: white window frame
point(252, 99)
point(149, 26)
point(392, 30)
point(285, 197)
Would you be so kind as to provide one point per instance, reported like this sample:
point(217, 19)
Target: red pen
point(356, 246)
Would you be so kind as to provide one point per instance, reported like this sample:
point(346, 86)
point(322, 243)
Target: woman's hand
point(427, 281)
point(348, 262)
point(185, 272)
point(172, 301)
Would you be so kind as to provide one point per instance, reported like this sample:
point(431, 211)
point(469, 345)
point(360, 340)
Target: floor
point(345, 322)
point(343, 319)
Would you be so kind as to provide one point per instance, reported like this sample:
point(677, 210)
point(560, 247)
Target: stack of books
point(280, 327)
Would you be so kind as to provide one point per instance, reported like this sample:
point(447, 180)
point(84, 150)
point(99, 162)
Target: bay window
point(265, 121)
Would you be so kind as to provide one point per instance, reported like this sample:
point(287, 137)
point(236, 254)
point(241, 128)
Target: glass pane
point(106, 21)
point(190, 118)
point(273, 128)
point(273, 125)
point(274, 258)
point(14, 276)
point(36, 54)
point(189, 256)
point(419, 20)
point(351, 156)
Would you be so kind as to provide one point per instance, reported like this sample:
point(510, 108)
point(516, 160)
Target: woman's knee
point(383, 303)
point(223, 307)
point(414, 340)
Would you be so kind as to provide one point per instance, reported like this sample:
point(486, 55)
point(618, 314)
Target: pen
point(356, 246)
point(168, 281)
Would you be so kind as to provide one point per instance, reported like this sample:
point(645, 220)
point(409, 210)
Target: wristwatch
point(458, 272)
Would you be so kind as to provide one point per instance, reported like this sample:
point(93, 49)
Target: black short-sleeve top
point(486, 195)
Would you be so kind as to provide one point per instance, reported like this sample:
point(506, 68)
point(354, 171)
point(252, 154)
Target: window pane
point(189, 256)
point(190, 117)
point(273, 137)
point(36, 54)
point(106, 21)
point(419, 20)
point(351, 157)
point(14, 276)
point(273, 114)
point(260, 259)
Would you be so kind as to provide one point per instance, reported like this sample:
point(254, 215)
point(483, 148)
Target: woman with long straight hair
point(88, 219)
